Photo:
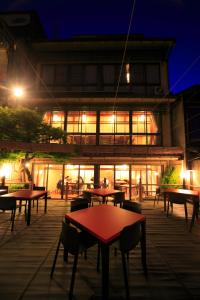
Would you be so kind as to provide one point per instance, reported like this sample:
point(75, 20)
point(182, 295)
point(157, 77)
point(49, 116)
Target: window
point(145, 128)
point(54, 118)
point(114, 127)
point(81, 127)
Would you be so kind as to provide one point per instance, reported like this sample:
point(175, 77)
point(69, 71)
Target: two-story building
point(112, 100)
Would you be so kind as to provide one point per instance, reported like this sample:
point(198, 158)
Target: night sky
point(179, 19)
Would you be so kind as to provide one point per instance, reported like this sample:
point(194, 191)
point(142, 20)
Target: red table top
point(182, 191)
point(105, 222)
point(26, 194)
point(103, 191)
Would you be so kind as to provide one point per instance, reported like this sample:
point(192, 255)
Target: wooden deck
point(173, 256)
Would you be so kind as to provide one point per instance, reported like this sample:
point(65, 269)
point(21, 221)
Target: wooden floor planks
point(173, 256)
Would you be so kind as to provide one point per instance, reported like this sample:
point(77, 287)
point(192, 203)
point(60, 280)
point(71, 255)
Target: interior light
point(56, 118)
point(127, 73)
point(113, 118)
point(6, 170)
point(84, 118)
point(142, 118)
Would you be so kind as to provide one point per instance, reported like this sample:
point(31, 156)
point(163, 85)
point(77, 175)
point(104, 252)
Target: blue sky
point(153, 18)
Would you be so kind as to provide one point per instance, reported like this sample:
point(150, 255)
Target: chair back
point(5, 188)
point(70, 238)
point(177, 198)
point(79, 203)
point(7, 203)
point(132, 206)
point(119, 197)
point(38, 188)
point(88, 196)
point(130, 237)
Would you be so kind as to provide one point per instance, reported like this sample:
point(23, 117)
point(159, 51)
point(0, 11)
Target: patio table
point(29, 196)
point(105, 223)
point(190, 195)
point(103, 192)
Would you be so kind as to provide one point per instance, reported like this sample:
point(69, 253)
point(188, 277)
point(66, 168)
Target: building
point(113, 101)
point(186, 131)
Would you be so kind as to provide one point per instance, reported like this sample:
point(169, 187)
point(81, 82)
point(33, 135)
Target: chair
point(177, 199)
point(129, 239)
point(117, 199)
point(4, 189)
point(157, 196)
point(91, 200)
point(74, 242)
point(79, 203)
point(9, 203)
point(132, 206)
point(38, 188)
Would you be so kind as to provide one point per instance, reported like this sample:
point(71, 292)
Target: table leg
point(45, 203)
point(28, 219)
point(105, 271)
point(165, 199)
point(143, 246)
point(194, 213)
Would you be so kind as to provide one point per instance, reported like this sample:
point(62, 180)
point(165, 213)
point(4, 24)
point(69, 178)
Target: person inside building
point(105, 183)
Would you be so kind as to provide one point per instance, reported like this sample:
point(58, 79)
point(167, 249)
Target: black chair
point(91, 199)
point(79, 203)
point(132, 206)
point(129, 239)
point(9, 203)
point(37, 188)
point(4, 189)
point(177, 199)
point(118, 198)
point(74, 242)
point(157, 196)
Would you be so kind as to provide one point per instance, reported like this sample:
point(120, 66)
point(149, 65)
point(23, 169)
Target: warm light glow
point(113, 118)
point(69, 166)
point(6, 170)
point(18, 92)
point(41, 172)
point(156, 173)
point(56, 118)
point(128, 73)
point(183, 175)
point(27, 165)
point(84, 118)
point(123, 167)
point(141, 118)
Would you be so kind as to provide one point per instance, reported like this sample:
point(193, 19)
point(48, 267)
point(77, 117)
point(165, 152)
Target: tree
point(26, 125)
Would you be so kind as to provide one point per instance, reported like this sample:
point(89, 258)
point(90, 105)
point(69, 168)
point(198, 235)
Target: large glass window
point(114, 127)
point(54, 118)
point(81, 127)
point(145, 128)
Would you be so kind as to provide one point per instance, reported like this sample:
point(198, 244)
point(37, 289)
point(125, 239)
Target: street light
point(17, 93)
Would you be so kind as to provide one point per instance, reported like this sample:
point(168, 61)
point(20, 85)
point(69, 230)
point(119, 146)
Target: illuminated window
point(81, 127)
point(54, 118)
point(114, 127)
point(145, 128)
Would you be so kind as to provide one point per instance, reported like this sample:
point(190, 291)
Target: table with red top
point(105, 223)
point(190, 195)
point(103, 192)
point(29, 195)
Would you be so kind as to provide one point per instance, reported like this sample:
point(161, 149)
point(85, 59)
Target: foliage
point(18, 186)
point(57, 157)
point(26, 125)
point(170, 176)
point(12, 156)
point(9, 156)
